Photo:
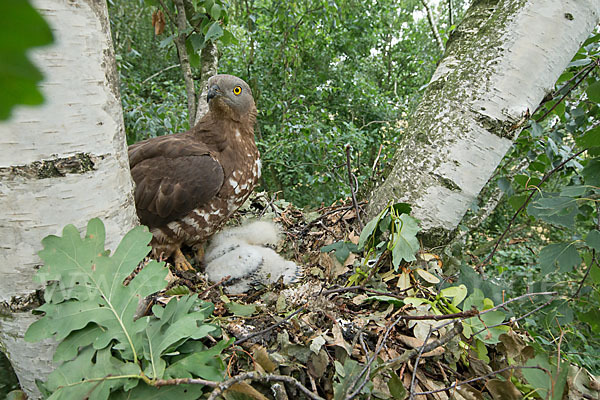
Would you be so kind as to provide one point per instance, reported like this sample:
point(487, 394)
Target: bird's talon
point(180, 262)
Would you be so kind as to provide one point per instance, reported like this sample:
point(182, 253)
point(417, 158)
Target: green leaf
point(228, 38)
point(591, 138)
point(179, 392)
point(396, 387)
point(555, 209)
point(404, 241)
point(214, 32)
point(174, 323)
point(473, 281)
point(546, 382)
point(215, 11)
point(177, 291)
point(456, 293)
point(369, 230)
point(21, 28)
point(591, 172)
point(536, 129)
point(593, 239)
point(563, 255)
point(593, 92)
point(241, 310)
point(93, 282)
point(342, 250)
point(483, 322)
point(201, 362)
point(91, 375)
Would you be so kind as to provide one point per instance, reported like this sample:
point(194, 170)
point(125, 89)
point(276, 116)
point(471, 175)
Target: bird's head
point(230, 95)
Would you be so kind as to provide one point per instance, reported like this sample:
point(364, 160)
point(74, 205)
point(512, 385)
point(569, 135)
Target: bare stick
point(353, 188)
point(208, 289)
point(595, 64)
point(425, 348)
point(160, 72)
point(594, 259)
point(434, 30)
point(414, 374)
point(263, 331)
point(516, 319)
point(222, 386)
point(186, 69)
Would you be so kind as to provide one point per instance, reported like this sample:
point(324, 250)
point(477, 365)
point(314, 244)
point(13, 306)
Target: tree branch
point(184, 60)
point(434, 30)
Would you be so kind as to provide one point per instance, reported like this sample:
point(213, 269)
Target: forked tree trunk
point(64, 162)
point(499, 64)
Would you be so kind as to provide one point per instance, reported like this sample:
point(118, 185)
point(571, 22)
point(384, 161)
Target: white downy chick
point(241, 253)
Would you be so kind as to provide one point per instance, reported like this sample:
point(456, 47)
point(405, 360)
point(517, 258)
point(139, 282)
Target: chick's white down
point(240, 252)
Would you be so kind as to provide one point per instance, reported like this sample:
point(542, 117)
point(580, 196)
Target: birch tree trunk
point(64, 162)
point(210, 62)
point(499, 64)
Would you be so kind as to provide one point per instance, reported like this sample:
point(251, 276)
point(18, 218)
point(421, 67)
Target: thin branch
point(434, 30)
point(427, 347)
point(184, 60)
point(328, 213)
point(168, 12)
point(270, 328)
point(160, 72)
point(455, 385)
point(415, 368)
point(514, 320)
point(594, 259)
point(265, 378)
point(591, 67)
point(450, 14)
point(366, 289)
point(208, 289)
point(524, 205)
point(353, 189)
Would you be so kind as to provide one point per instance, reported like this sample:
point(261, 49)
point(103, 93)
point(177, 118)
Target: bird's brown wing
point(173, 175)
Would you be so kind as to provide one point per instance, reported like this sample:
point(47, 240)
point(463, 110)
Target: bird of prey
point(189, 183)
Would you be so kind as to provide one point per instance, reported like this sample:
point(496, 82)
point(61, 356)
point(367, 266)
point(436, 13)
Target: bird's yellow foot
point(180, 262)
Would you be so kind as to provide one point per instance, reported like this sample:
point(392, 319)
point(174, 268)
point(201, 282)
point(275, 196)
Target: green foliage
point(395, 229)
point(323, 74)
point(560, 228)
point(106, 351)
point(21, 28)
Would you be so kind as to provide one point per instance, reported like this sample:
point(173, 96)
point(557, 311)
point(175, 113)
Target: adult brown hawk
point(189, 183)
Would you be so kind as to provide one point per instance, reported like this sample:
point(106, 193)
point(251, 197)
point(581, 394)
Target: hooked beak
point(212, 92)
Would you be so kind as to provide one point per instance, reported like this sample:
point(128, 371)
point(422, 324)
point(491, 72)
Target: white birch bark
point(501, 61)
point(64, 162)
point(210, 62)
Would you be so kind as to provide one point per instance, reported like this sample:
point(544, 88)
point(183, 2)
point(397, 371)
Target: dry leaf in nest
point(158, 22)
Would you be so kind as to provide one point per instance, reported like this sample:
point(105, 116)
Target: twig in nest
point(353, 185)
point(455, 385)
point(328, 213)
point(270, 328)
point(427, 347)
point(414, 374)
point(222, 386)
point(208, 289)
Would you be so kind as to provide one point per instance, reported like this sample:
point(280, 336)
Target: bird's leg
point(180, 262)
point(200, 251)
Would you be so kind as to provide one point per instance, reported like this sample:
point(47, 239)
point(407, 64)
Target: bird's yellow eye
point(237, 90)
